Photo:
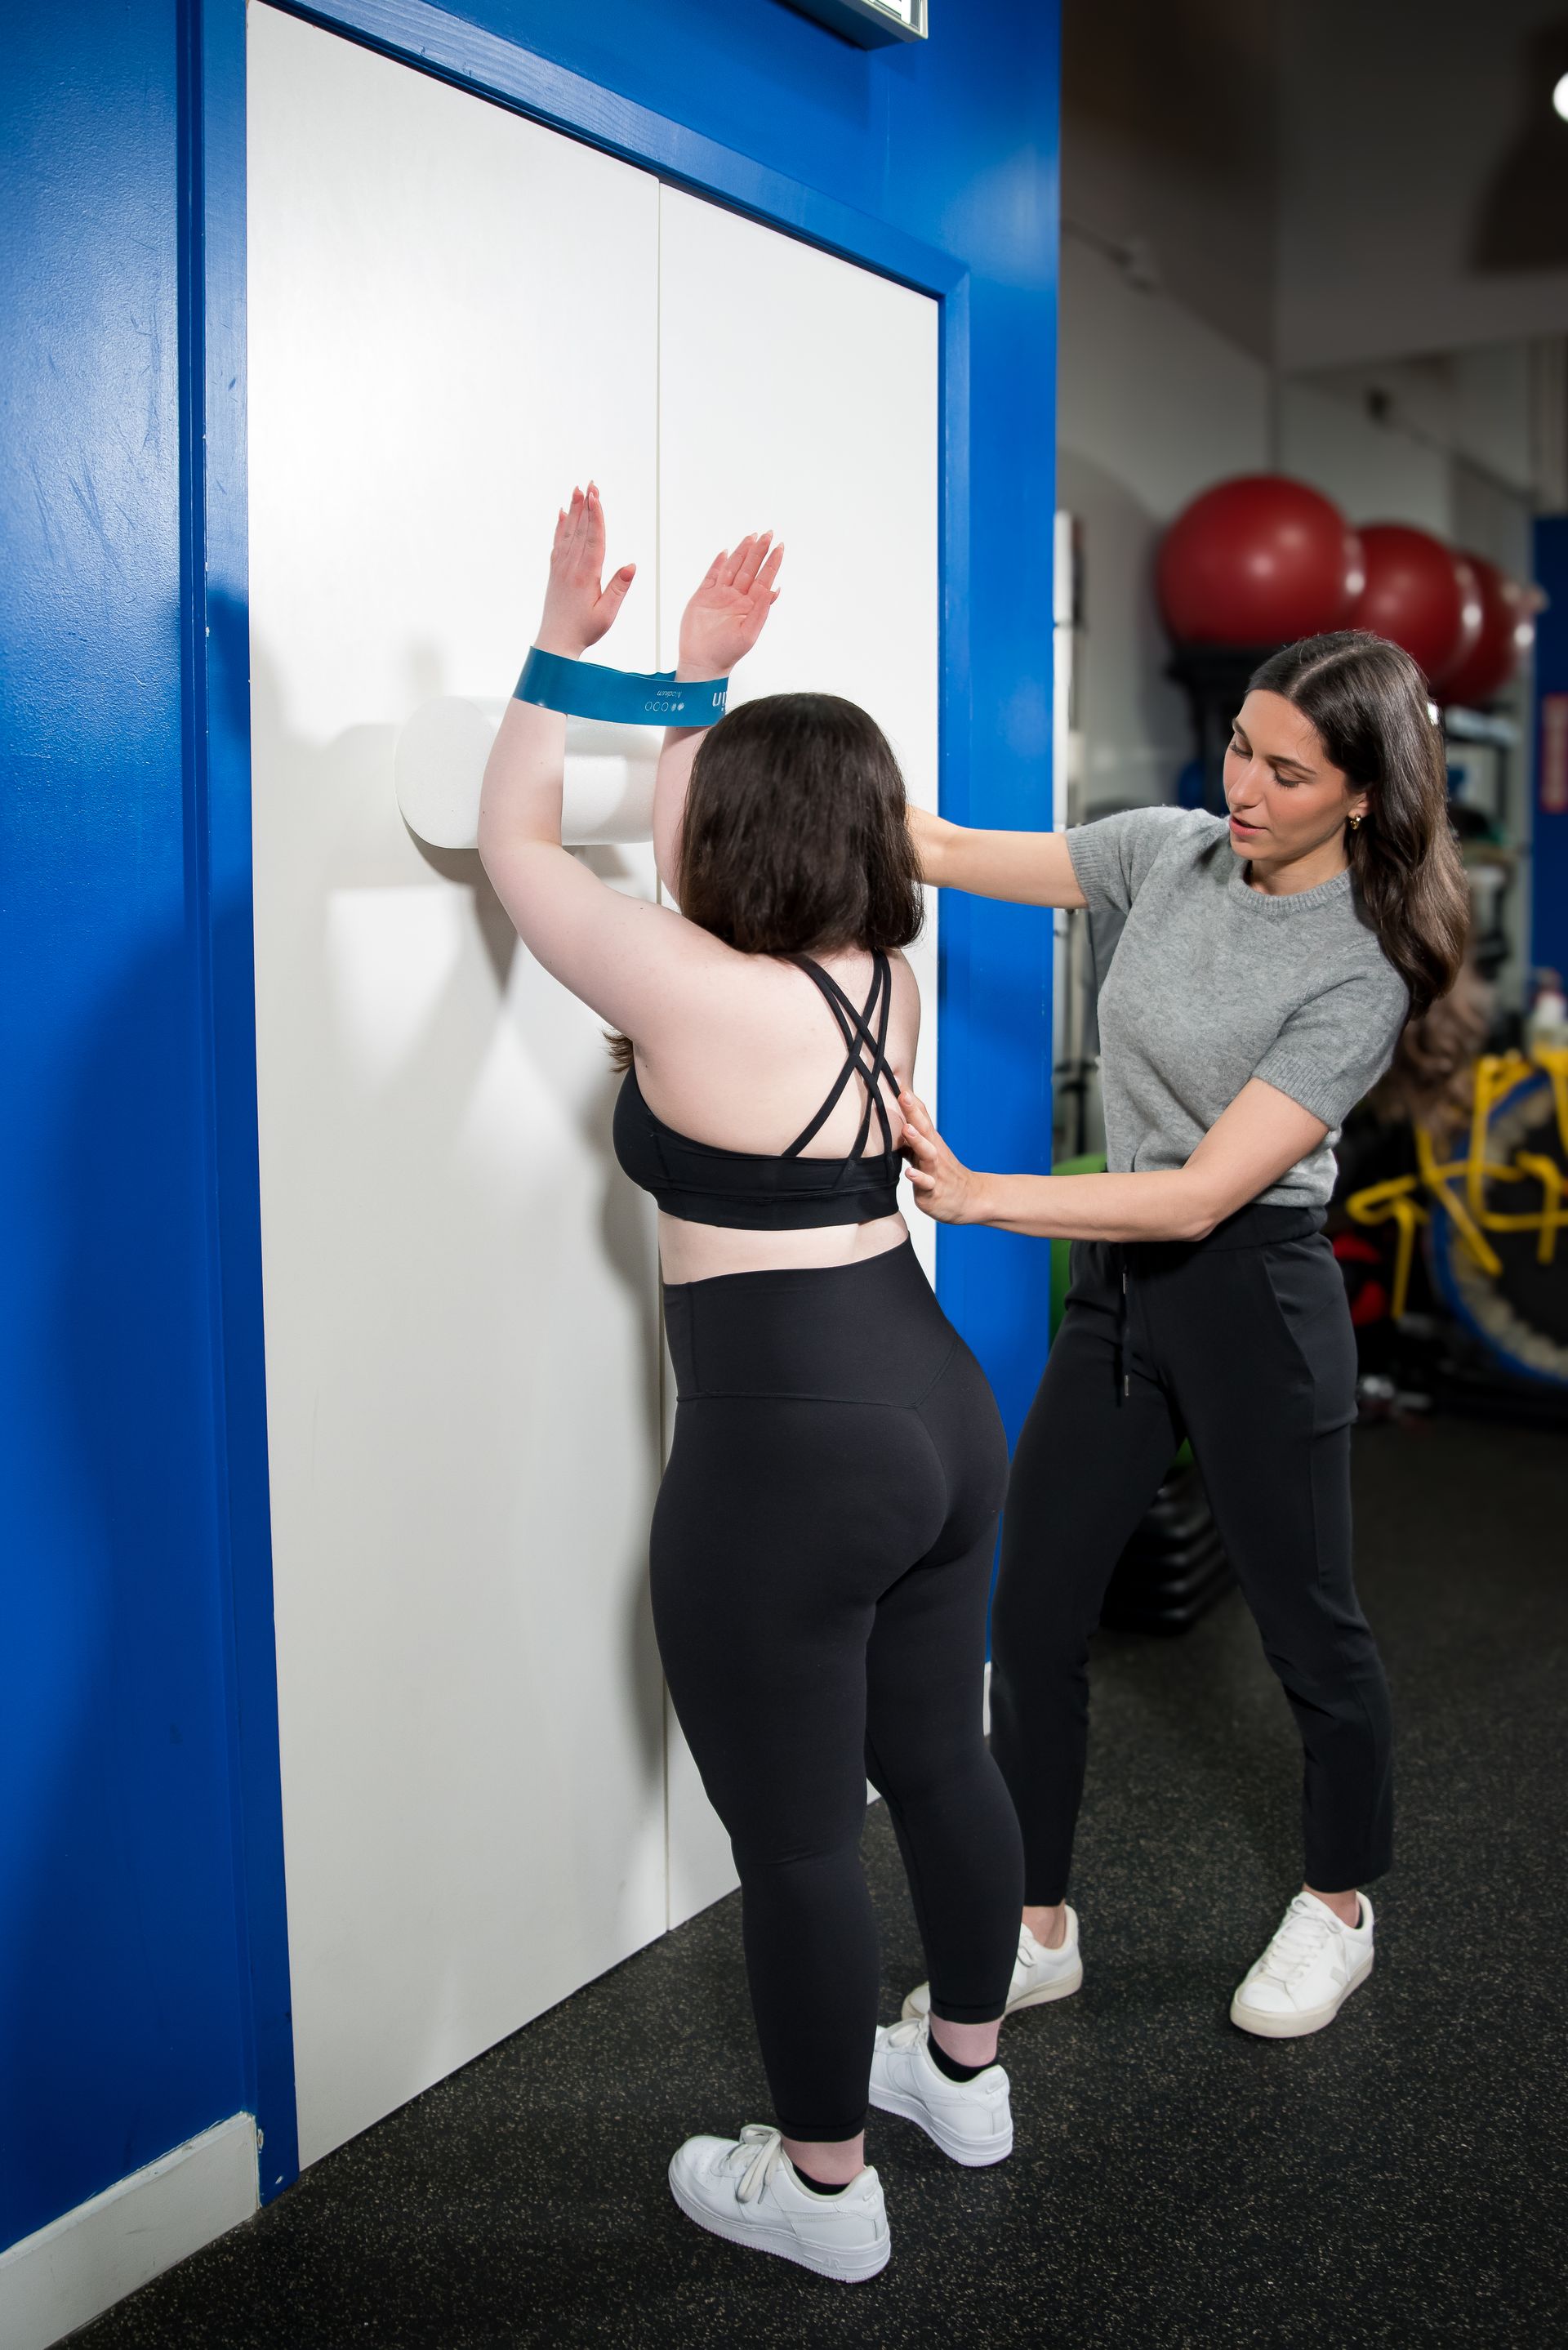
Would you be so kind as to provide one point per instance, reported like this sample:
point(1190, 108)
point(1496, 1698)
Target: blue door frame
point(995, 980)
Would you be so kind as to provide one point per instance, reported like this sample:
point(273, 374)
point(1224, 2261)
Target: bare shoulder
point(726, 1005)
point(904, 1027)
point(905, 986)
point(766, 1001)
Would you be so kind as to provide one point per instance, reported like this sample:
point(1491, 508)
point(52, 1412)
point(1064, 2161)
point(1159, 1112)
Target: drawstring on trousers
point(1123, 1372)
point(1259, 1224)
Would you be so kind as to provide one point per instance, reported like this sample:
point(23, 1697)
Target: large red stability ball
point(1257, 561)
point(1470, 628)
point(1507, 628)
point(1414, 596)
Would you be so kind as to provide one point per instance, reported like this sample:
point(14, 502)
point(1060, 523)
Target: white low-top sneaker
point(749, 2190)
point(1307, 1973)
point(969, 2120)
point(1039, 1975)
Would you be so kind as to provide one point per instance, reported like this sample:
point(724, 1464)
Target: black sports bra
point(751, 1192)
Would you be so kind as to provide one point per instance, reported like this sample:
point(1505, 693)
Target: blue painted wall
point(1549, 857)
point(141, 1984)
point(120, 1979)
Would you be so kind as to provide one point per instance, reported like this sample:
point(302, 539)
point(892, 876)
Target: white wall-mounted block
point(439, 760)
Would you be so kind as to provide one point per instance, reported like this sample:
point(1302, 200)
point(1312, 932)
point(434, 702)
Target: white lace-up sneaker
point(969, 2120)
point(749, 2190)
point(1307, 1973)
point(1039, 1975)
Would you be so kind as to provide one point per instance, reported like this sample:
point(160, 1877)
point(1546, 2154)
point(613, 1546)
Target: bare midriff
point(701, 1252)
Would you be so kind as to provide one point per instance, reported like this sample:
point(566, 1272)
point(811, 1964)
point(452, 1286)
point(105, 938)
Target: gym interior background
point(367, 1942)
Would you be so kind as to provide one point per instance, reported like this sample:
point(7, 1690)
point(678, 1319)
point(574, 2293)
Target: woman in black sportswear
point(1267, 964)
point(821, 1545)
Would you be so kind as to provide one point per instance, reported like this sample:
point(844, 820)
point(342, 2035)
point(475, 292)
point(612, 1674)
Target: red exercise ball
point(1506, 632)
point(1258, 561)
point(1470, 628)
point(1414, 596)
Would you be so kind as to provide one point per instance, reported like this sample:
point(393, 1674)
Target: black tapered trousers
point(1241, 1342)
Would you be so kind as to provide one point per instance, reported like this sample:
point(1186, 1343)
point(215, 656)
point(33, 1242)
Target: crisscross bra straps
point(867, 1052)
point(764, 1191)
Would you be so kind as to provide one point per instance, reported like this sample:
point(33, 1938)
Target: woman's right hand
point(944, 1186)
point(578, 611)
point(725, 616)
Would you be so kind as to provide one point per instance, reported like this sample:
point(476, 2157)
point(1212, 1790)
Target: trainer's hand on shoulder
point(941, 1184)
point(725, 616)
point(578, 611)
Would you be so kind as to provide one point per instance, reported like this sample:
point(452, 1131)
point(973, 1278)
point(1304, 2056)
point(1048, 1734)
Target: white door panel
point(453, 314)
point(800, 393)
point(460, 1289)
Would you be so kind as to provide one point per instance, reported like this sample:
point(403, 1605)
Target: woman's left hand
point(578, 611)
point(941, 1184)
point(725, 616)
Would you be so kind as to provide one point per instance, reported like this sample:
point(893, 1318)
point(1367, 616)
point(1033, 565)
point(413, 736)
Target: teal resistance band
point(584, 690)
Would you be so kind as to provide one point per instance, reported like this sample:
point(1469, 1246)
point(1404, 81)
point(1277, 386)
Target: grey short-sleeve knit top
point(1213, 982)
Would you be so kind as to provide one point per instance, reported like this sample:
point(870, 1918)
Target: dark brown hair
point(1370, 705)
point(795, 838)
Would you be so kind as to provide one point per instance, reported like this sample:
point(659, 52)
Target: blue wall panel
point(142, 1956)
point(120, 1988)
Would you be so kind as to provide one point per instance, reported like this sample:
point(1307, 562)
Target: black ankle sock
point(950, 2065)
point(820, 2186)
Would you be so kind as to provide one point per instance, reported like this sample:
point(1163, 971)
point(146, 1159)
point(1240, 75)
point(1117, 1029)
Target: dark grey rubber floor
point(1397, 2179)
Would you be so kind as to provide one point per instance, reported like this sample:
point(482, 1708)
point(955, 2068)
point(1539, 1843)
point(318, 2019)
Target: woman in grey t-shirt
point(1265, 969)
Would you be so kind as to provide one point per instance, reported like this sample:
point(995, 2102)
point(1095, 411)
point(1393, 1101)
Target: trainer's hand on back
point(725, 616)
point(577, 609)
point(941, 1184)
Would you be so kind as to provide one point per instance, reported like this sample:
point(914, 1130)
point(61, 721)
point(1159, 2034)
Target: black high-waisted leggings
point(1243, 1343)
point(821, 1556)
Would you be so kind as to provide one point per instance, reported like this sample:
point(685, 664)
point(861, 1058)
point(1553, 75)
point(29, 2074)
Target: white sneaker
point(969, 2120)
point(1307, 1973)
point(749, 2190)
point(1039, 1975)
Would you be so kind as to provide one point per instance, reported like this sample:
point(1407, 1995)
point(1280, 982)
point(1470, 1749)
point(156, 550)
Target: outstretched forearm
point(1031, 869)
point(1177, 1205)
point(1244, 1153)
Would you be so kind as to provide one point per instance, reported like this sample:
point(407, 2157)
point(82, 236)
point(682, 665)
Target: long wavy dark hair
point(1371, 707)
point(794, 837)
